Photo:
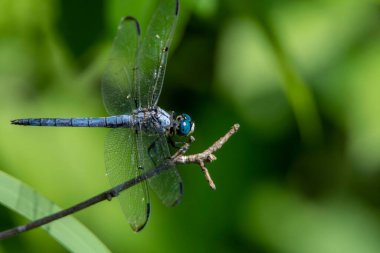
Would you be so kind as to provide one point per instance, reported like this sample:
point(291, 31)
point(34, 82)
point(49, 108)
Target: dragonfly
point(140, 130)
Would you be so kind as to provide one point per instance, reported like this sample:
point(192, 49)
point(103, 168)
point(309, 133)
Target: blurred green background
point(301, 77)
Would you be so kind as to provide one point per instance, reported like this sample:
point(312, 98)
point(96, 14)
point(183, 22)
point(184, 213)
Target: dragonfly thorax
point(153, 120)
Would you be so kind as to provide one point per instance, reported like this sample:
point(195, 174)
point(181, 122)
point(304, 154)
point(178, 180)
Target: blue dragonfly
point(140, 130)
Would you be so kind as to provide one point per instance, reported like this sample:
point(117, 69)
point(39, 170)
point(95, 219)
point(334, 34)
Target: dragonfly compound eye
point(185, 125)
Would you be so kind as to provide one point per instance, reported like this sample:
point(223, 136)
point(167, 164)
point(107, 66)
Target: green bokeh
point(301, 77)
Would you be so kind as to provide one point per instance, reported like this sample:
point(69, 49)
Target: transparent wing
point(168, 184)
point(153, 53)
point(118, 83)
point(121, 159)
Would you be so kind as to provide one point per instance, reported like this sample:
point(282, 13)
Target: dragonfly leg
point(175, 144)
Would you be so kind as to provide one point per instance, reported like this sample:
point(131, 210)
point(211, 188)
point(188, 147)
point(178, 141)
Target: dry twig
point(178, 158)
point(206, 156)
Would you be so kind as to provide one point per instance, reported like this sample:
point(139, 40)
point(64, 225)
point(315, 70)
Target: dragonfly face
point(185, 125)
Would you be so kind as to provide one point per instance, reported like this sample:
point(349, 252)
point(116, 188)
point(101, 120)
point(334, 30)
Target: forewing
point(119, 78)
point(168, 184)
point(153, 53)
point(121, 161)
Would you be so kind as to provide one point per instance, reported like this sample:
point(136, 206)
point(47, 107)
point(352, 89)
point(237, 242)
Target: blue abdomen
point(111, 121)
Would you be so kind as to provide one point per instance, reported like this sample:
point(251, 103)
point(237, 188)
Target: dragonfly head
point(185, 125)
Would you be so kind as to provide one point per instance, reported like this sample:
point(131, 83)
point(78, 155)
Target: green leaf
point(68, 231)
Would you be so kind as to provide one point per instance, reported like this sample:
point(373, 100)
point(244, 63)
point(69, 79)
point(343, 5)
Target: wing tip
point(177, 200)
point(176, 7)
point(138, 227)
point(130, 18)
